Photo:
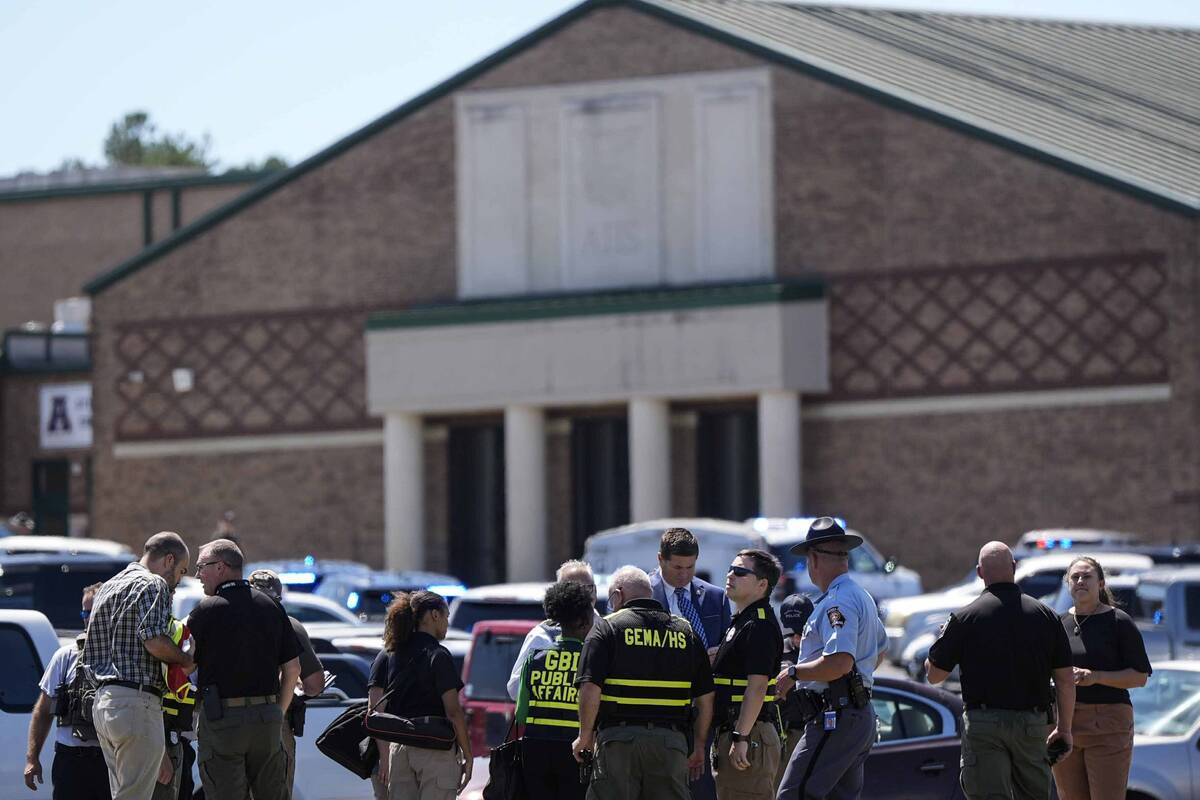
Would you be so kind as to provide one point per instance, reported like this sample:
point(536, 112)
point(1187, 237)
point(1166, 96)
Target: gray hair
point(574, 567)
point(227, 551)
point(633, 582)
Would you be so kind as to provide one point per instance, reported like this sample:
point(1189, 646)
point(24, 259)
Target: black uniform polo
point(753, 645)
point(1007, 644)
point(421, 671)
point(649, 665)
point(242, 637)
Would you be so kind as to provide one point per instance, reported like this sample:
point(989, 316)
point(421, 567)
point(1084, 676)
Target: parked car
point(365, 640)
point(495, 645)
point(301, 605)
point(64, 545)
point(27, 641)
point(1168, 613)
point(882, 577)
point(306, 574)
point(1166, 741)
point(53, 583)
point(1048, 540)
point(499, 601)
point(906, 618)
point(368, 595)
point(637, 544)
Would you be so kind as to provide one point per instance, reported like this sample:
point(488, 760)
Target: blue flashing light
point(385, 598)
point(352, 601)
point(1158, 617)
point(297, 577)
point(309, 560)
point(453, 589)
point(1066, 543)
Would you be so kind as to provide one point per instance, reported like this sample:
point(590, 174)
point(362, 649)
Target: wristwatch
point(738, 737)
point(792, 671)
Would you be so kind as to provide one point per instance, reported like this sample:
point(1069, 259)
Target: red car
point(495, 645)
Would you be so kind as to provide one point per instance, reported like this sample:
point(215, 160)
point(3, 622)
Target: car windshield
point(492, 659)
point(1169, 703)
point(467, 612)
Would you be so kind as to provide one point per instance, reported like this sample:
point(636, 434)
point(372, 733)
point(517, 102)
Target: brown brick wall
point(20, 443)
point(859, 187)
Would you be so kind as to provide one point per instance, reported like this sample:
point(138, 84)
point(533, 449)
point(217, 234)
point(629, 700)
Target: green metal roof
point(585, 304)
point(1119, 105)
point(138, 185)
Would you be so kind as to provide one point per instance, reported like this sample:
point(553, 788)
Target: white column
point(404, 492)
point(525, 492)
point(779, 454)
point(649, 458)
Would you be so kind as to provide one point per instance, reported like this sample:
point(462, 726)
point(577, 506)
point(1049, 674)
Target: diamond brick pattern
point(252, 374)
point(1012, 327)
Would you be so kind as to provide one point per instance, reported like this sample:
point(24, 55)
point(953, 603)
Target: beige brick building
point(934, 274)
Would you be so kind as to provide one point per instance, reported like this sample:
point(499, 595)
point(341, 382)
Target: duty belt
point(141, 687)
point(670, 726)
point(258, 700)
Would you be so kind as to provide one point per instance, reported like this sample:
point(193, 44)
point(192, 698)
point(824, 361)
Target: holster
point(73, 706)
point(848, 691)
point(296, 713)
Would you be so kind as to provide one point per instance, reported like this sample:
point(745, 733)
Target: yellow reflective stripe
point(762, 614)
point(644, 701)
point(560, 723)
point(174, 712)
point(737, 698)
point(738, 682)
point(552, 704)
point(654, 684)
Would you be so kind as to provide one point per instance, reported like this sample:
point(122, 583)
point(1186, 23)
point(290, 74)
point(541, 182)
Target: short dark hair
point(678, 542)
point(766, 566)
point(568, 603)
point(165, 544)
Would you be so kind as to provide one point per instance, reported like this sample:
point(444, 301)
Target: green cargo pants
point(635, 762)
point(242, 753)
point(1004, 755)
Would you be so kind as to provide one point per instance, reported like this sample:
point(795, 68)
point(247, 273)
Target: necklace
point(1078, 623)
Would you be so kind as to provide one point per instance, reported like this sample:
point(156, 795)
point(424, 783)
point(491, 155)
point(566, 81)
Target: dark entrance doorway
point(52, 496)
point(599, 476)
point(727, 463)
point(476, 497)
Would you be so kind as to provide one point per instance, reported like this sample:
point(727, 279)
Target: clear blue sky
point(266, 76)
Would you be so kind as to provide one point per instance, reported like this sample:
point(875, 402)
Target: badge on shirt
point(729, 634)
point(836, 618)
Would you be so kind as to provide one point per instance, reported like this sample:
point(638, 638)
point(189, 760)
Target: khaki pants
point(1098, 766)
point(635, 762)
point(242, 753)
point(758, 781)
point(1004, 755)
point(789, 747)
point(130, 729)
point(417, 773)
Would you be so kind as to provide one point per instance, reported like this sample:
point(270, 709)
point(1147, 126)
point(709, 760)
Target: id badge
point(830, 720)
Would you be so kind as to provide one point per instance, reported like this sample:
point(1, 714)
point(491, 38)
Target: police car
point(369, 595)
point(882, 577)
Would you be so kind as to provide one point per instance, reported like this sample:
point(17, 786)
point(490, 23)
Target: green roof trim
point(269, 185)
point(145, 185)
point(588, 304)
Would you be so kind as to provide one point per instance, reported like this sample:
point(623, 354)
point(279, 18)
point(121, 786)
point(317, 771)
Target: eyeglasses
point(202, 564)
point(837, 553)
point(741, 572)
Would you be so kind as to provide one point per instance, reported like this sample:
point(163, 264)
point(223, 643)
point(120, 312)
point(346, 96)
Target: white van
point(637, 544)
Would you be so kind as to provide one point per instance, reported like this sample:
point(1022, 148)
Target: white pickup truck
point(26, 643)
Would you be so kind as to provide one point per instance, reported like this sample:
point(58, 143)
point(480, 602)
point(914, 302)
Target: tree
point(271, 163)
point(135, 140)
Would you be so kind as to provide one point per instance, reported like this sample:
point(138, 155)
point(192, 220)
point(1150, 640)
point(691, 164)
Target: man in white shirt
point(544, 633)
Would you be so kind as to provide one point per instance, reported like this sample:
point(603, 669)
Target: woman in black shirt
point(426, 685)
point(1109, 658)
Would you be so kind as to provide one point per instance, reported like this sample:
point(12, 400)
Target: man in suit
point(675, 585)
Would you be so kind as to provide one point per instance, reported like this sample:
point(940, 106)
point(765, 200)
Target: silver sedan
point(1166, 713)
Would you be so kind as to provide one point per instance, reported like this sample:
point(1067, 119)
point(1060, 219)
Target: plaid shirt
point(131, 607)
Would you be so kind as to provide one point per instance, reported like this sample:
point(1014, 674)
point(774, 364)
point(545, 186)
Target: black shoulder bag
point(506, 778)
point(431, 733)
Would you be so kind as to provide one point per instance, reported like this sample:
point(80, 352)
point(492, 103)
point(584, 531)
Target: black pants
point(550, 771)
point(79, 773)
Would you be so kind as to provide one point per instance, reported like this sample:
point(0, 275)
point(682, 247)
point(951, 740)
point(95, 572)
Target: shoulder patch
point(762, 614)
point(836, 618)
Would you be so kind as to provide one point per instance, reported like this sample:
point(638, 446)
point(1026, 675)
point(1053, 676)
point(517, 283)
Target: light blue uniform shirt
point(844, 620)
point(59, 670)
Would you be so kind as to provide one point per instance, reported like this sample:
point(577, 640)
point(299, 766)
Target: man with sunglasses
point(839, 651)
point(747, 746)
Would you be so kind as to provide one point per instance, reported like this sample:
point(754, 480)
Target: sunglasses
point(741, 572)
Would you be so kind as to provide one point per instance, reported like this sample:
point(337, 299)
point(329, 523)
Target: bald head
point(996, 563)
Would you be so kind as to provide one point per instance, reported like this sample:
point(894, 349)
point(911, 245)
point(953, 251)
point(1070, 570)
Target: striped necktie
point(689, 613)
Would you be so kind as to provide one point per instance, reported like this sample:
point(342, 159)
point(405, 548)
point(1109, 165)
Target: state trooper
point(839, 650)
point(641, 672)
